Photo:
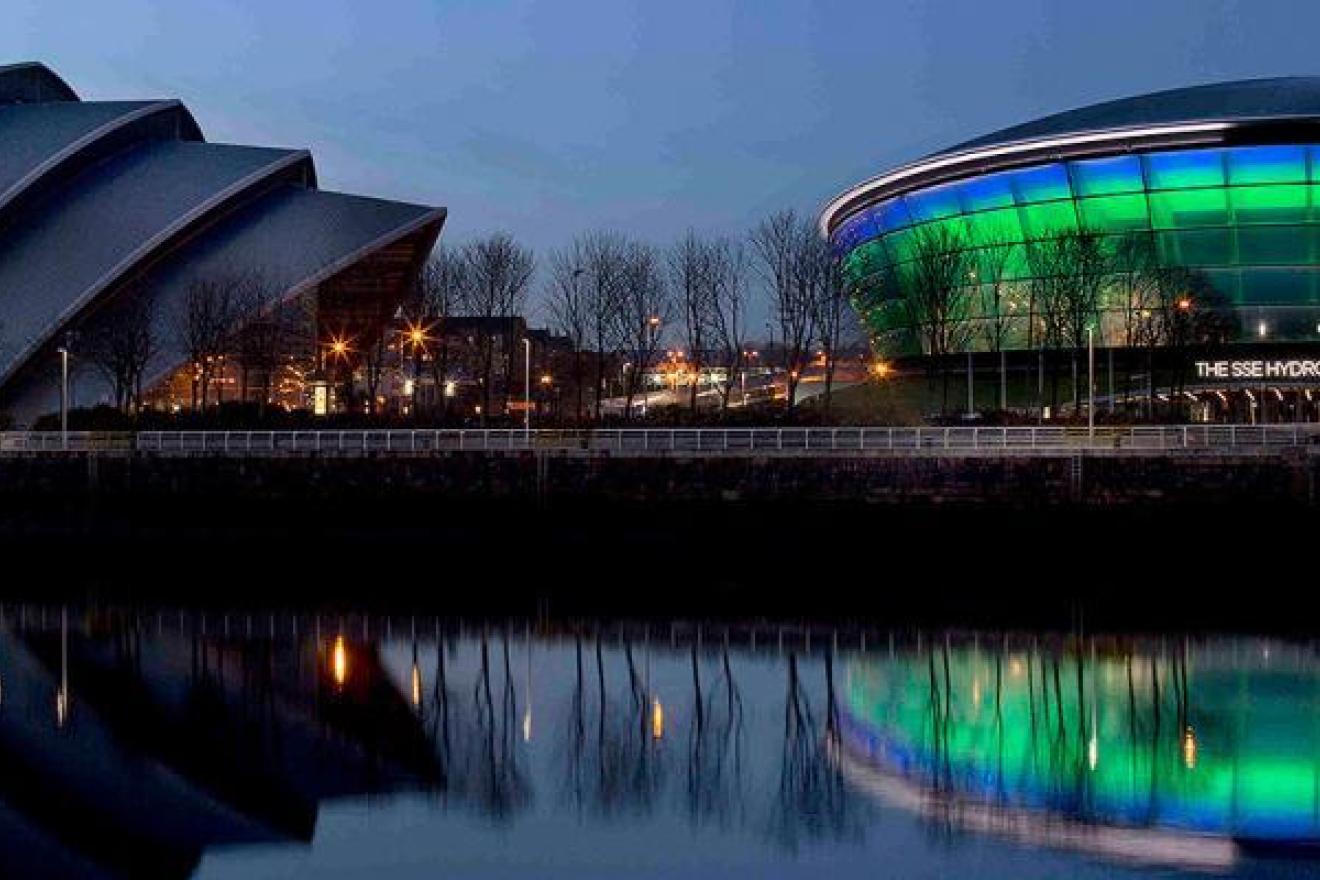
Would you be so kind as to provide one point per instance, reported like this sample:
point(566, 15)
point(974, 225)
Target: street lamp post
point(64, 396)
point(527, 389)
point(1090, 381)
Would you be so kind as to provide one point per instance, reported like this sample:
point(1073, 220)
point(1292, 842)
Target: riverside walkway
point(685, 442)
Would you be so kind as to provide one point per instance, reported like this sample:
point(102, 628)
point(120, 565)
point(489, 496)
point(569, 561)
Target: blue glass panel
point(934, 203)
point(1282, 164)
point(891, 215)
point(990, 191)
point(1041, 184)
point(1098, 177)
point(1185, 168)
point(854, 231)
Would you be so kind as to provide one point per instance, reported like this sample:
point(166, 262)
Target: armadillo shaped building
point(95, 196)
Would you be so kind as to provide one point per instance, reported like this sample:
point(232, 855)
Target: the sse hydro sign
point(1231, 370)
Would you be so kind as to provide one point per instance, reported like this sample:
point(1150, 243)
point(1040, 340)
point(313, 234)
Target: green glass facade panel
point(1272, 164)
point(1267, 285)
point(1177, 209)
point(934, 203)
point(900, 245)
point(993, 227)
point(1270, 204)
point(1184, 169)
point(988, 192)
point(1098, 177)
point(1115, 213)
point(1041, 184)
point(1050, 218)
point(1274, 245)
point(1196, 247)
point(1227, 283)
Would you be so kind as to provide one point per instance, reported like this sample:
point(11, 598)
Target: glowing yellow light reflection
point(1189, 748)
point(657, 719)
point(416, 686)
point(339, 661)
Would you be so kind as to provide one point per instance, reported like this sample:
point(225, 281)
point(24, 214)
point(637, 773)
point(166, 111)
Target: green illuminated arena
point(1215, 189)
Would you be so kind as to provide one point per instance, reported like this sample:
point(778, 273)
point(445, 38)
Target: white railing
point(683, 441)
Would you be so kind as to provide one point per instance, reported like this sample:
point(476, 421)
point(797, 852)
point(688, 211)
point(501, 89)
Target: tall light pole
point(1090, 380)
point(971, 385)
point(527, 389)
point(64, 395)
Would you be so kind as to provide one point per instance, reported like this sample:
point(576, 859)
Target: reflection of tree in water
point(714, 789)
point(477, 741)
point(1148, 697)
point(812, 802)
point(614, 763)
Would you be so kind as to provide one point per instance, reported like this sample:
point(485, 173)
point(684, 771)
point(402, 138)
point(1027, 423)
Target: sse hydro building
point(1222, 180)
point(106, 200)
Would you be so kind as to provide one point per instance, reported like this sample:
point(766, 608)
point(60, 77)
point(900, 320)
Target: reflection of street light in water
point(1189, 748)
point(62, 695)
point(416, 680)
point(339, 661)
point(657, 719)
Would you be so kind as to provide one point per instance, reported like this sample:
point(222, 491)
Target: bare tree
point(498, 274)
point(438, 297)
point(936, 287)
point(728, 310)
point(605, 258)
point(643, 308)
point(1086, 267)
point(782, 247)
point(829, 305)
point(570, 308)
point(121, 342)
point(263, 331)
point(690, 262)
point(203, 328)
point(994, 258)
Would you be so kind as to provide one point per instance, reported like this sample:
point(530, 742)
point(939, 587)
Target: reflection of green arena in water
point(1223, 180)
point(1192, 743)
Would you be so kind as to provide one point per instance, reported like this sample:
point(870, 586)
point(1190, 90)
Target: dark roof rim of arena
point(1200, 115)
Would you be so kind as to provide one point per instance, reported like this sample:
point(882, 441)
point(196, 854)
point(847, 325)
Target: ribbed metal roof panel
point(106, 218)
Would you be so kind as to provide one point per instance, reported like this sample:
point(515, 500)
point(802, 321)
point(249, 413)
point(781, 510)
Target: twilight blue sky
point(549, 118)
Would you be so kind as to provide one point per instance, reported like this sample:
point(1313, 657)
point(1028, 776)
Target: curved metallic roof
point(1189, 117)
point(31, 82)
point(1293, 97)
point(108, 222)
point(37, 140)
point(95, 194)
point(293, 237)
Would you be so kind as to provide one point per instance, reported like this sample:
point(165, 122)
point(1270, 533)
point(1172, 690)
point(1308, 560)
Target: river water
point(212, 745)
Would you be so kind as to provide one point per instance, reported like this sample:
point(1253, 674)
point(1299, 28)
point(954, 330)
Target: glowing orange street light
point(547, 379)
point(1184, 304)
point(339, 347)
